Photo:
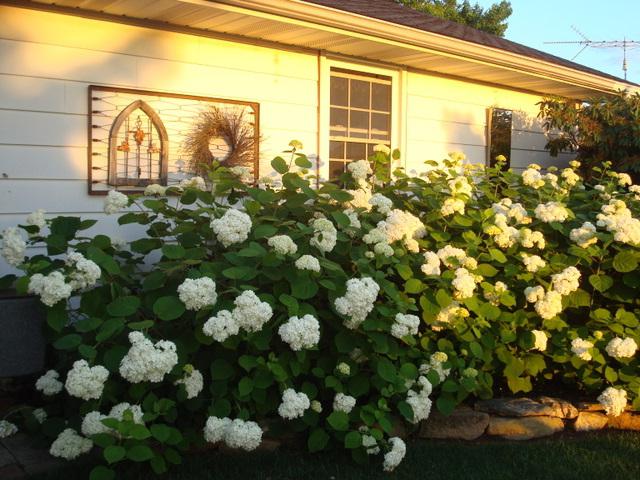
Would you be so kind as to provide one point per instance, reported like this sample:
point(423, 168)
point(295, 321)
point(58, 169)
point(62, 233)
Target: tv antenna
point(586, 42)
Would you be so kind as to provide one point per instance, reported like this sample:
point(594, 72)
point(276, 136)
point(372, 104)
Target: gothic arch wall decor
point(136, 158)
point(138, 137)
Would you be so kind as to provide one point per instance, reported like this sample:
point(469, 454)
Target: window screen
point(500, 135)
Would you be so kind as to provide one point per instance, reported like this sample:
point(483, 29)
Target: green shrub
point(333, 312)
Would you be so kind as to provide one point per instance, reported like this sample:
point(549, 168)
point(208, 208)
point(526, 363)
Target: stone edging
point(523, 419)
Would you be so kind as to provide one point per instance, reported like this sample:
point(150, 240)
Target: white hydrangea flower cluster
point(7, 429)
point(369, 442)
point(616, 218)
point(503, 234)
point(221, 326)
point(358, 300)
point(146, 362)
point(51, 289)
point(533, 263)
point(86, 382)
point(325, 234)
point(531, 239)
point(459, 257)
point(614, 401)
point(532, 177)
point(635, 189)
point(316, 406)
point(552, 179)
point(394, 457)
point(494, 293)
point(405, 325)
point(155, 190)
point(92, 421)
point(343, 369)
point(419, 401)
point(236, 433)
point(193, 381)
point(300, 333)
point(382, 148)
point(512, 211)
point(451, 206)
point(464, 283)
point(49, 384)
point(580, 348)
point(37, 219)
point(283, 245)
point(624, 179)
point(251, 313)
point(547, 304)
point(233, 227)
point(361, 198)
point(460, 186)
point(401, 225)
point(343, 403)
point(194, 182)
point(448, 315)
point(293, 404)
point(244, 174)
point(540, 340)
point(431, 265)
point(570, 177)
point(381, 203)
point(13, 246)
point(86, 273)
point(378, 238)
point(308, 262)
point(69, 445)
point(585, 235)
point(197, 293)
point(436, 361)
point(551, 212)
point(114, 202)
point(567, 281)
point(360, 170)
point(40, 415)
point(619, 348)
point(354, 221)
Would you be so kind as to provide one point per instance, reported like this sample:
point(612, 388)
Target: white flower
point(405, 325)
point(394, 456)
point(40, 414)
point(419, 400)
point(155, 190)
point(13, 246)
point(7, 429)
point(400, 225)
point(360, 169)
point(198, 293)
point(233, 227)
point(451, 206)
point(49, 384)
point(37, 219)
point(358, 300)
point(533, 263)
point(51, 288)
point(361, 197)
point(92, 424)
point(551, 212)
point(283, 244)
point(244, 174)
point(381, 203)
point(534, 294)
point(296, 144)
point(343, 369)
point(493, 295)
point(86, 273)
point(570, 176)
point(581, 348)
point(371, 444)
point(530, 239)
point(325, 234)
point(250, 313)
point(193, 383)
point(532, 178)
point(118, 243)
point(436, 361)
point(380, 147)
point(448, 315)
point(464, 284)
point(308, 262)
point(146, 362)
point(459, 257)
point(86, 382)
point(616, 218)
point(193, 182)
point(114, 202)
point(236, 433)
point(511, 210)
point(614, 401)
point(69, 445)
point(549, 305)
point(504, 235)
point(585, 235)
point(300, 333)
point(432, 264)
point(293, 404)
point(567, 281)
point(118, 411)
point(343, 403)
point(316, 406)
point(540, 340)
point(619, 348)
point(215, 429)
point(624, 179)
point(460, 186)
point(221, 326)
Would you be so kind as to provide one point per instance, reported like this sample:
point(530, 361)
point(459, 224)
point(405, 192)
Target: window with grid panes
point(360, 117)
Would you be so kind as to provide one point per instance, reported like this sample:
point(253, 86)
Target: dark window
point(499, 140)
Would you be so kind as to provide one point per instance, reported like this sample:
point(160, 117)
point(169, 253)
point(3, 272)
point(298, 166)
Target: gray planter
point(22, 342)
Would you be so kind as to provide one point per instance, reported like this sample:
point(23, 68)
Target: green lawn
point(606, 455)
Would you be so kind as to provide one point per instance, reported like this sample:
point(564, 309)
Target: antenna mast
point(586, 42)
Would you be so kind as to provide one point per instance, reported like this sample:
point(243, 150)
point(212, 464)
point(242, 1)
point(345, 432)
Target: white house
point(338, 75)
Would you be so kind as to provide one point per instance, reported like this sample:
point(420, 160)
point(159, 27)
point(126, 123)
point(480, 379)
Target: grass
point(603, 455)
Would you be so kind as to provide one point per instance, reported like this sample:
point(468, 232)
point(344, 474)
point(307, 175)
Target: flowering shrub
point(333, 312)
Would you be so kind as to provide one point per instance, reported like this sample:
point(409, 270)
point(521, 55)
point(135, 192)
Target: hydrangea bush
point(332, 313)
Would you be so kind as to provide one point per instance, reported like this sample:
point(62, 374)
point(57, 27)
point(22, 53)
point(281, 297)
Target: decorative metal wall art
point(138, 137)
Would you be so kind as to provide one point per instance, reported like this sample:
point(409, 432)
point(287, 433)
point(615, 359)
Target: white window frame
point(398, 105)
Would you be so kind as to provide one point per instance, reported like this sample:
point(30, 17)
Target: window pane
point(339, 91)
point(335, 169)
point(381, 97)
point(360, 94)
point(500, 135)
point(380, 126)
point(358, 123)
point(336, 150)
point(356, 151)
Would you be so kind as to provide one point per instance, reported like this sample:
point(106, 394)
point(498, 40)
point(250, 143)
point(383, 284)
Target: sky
point(534, 22)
